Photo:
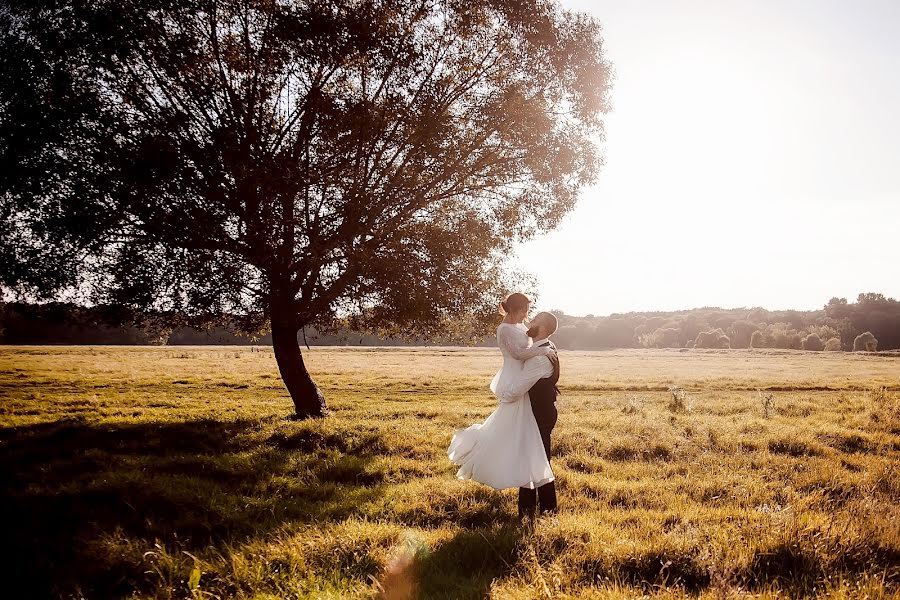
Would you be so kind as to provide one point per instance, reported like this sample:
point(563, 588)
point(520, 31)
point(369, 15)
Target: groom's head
point(542, 326)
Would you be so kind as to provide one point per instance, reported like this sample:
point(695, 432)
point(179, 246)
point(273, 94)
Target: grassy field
point(174, 473)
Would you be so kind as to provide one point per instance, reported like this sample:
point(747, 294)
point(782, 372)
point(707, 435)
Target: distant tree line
point(869, 324)
point(65, 323)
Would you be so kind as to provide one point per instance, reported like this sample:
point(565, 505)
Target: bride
point(506, 450)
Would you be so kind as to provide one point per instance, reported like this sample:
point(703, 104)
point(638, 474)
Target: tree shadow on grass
point(65, 487)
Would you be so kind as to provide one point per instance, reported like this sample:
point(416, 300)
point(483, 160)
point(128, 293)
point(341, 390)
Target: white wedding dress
point(506, 450)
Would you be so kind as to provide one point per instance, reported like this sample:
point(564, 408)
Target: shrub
point(865, 342)
point(634, 406)
point(768, 403)
point(661, 338)
point(781, 339)
point(712, 339)
point(825, 332)
point(781, 335)
point(833, 345)
point(758, 340)
point(740, 334)
point(813, 342)
point(777, 335)
point(681, 401)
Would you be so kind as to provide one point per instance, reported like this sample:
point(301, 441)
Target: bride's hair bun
point(514, 302)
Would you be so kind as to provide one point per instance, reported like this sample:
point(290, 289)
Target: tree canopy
point(290, 162)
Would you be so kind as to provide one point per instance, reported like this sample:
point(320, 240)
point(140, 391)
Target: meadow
point(175, 472)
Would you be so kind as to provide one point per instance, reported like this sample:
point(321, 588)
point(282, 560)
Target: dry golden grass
point(173, 473)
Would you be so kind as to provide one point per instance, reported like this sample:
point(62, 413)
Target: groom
point(540, 375)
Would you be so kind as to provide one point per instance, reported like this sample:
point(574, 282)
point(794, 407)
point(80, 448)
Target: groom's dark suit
point(543, 404)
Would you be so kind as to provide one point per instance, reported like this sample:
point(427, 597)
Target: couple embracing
point(511, 448)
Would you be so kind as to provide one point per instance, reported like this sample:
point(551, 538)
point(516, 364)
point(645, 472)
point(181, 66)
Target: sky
point(752, 159)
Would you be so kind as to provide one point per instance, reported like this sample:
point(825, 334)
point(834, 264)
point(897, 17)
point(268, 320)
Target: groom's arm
point(533, 370)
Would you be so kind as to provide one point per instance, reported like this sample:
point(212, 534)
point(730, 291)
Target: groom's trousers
point(545, 414)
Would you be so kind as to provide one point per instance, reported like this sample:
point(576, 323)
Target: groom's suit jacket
point(545, 388)
point(543, 396)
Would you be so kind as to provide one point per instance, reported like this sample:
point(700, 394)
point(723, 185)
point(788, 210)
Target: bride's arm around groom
point(533, 369)
point(511, 339)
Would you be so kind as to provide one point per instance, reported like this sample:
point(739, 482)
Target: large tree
point(290, 162)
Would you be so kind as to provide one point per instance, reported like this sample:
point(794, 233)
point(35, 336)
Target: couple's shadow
point(467, 564)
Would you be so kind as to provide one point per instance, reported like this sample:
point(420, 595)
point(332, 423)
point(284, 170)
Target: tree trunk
point(308, 399)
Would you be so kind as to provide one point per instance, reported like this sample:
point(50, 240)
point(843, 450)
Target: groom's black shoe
point(542, 500)
point(547, 498)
